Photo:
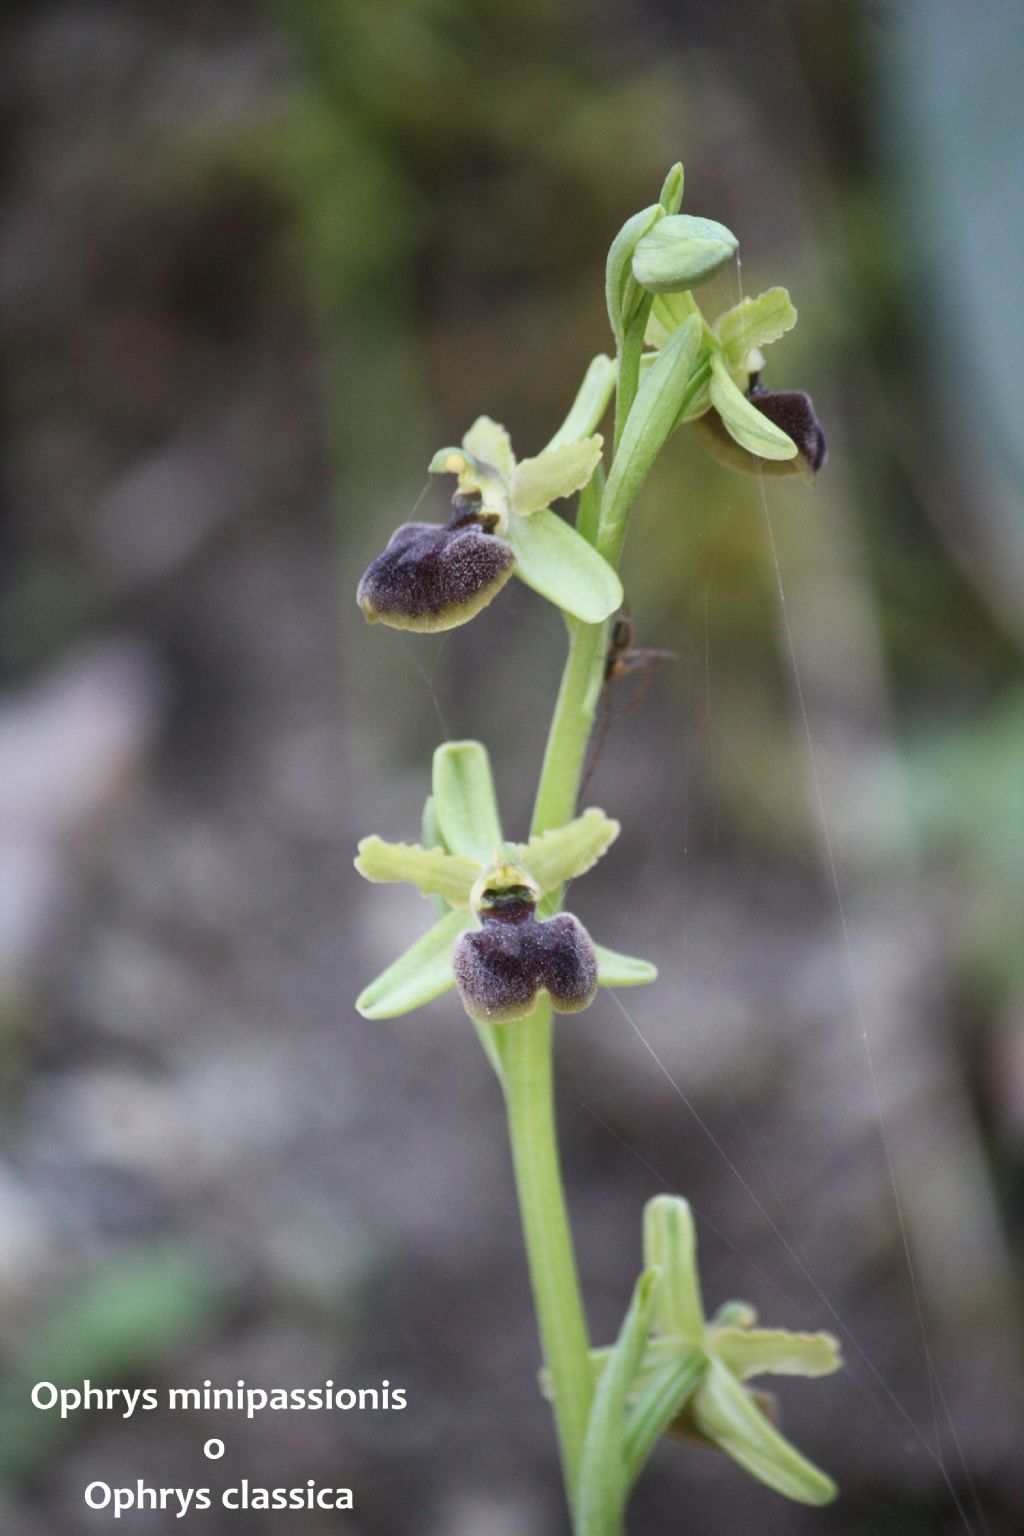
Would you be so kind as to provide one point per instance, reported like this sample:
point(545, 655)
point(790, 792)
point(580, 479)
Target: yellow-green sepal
point(419, 975)
point(465, 802)
point(557, 562)
point(615, 970)
point(725, 1413)
point(743, 421)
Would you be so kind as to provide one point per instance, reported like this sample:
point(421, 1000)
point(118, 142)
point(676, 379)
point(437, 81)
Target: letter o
point(213, 1450)
point(48, 1386)
point(104, 1495)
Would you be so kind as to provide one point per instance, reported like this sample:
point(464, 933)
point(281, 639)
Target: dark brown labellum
point(501, 968)
point(793, 412)
point(432, 577)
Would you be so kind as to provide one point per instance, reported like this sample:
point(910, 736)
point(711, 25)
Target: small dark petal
point(501, 968)
point(433, 578)
point(793, 412)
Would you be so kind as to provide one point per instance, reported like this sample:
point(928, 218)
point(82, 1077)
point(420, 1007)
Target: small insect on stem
point(623, 658)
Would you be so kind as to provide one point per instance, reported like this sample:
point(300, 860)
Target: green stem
point(629, 365)
point(570, 727)
point(526, 1047)
point(529, 1089)
point(530, 1100)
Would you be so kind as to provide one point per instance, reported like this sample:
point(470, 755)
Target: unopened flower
point(501, 967)
point(434, 577)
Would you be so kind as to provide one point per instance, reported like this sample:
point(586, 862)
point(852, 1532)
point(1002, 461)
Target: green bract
point(465, 811)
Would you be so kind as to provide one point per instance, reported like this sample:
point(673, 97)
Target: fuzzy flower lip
point(435, 577)
point(685, 1374)
point(793, 412)
point(502, 967)
point(483, 884)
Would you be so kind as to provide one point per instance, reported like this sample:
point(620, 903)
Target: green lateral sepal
point(743, 421)
point(615, 970)
point(725, 1413)
point(419, 975)
point(557, 562)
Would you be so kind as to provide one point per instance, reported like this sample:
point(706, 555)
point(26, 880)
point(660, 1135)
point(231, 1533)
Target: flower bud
point(502, 966)
point(433, 577)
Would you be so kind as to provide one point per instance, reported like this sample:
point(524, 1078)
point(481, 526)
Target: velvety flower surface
point(433, 577)
point(500, 968)
point(793, 412)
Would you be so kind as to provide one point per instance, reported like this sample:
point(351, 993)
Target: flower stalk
point(499, 934)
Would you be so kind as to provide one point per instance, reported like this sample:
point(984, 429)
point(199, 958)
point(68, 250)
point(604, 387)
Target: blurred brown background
point(256, 262)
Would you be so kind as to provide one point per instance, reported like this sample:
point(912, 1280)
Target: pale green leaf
point(603, 1487)
point(655, 411)
point(590, 403)
point(754, 323)
point(743, 421)
point(567, 852)
point(775, 1352)
point(555, 473)
point(681, 251)
point(553, 559)
point(464, 798)
point(419, 975)
point(615, 970)
point(432, 871)
point(670, 1246)
point(488, 443)
point(622, 292)
point(724, 1411)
